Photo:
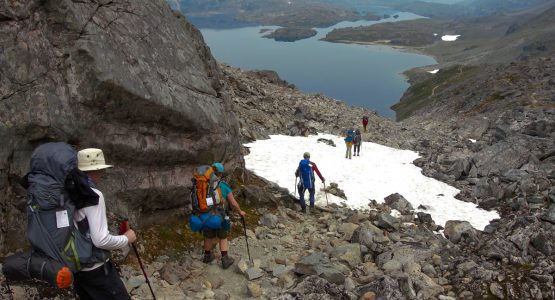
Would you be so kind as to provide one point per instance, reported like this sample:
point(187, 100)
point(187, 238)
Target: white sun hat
point(92, 159)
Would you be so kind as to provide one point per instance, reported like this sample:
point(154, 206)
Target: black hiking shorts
point(215, 233)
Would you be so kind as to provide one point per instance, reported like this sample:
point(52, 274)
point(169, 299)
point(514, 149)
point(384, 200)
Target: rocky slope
point(491, 134)
point(385, 252)
point(133, 79)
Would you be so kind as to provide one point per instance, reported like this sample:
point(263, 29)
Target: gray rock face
point(455, 230)
point(132, 78)
point(348, 253)
point(386, 221)
point(312, 264)
point(552, 195)
point(313, 287)
point(424, 217)
point(269, 220)
point(386, 287)
point(398, 202)
point(549, 215)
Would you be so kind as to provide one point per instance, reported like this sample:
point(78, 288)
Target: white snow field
point(378, 172)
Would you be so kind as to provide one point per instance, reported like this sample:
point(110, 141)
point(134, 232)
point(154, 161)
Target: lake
point(360, 75)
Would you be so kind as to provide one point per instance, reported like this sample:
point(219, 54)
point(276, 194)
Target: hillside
point(235, 13)
point(138, 81)
point(463, 9)
point(493, 39)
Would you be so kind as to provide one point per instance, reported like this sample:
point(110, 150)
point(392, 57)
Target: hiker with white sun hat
point(101, 281)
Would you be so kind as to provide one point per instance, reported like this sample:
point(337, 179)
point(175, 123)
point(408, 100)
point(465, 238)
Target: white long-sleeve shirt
point(98, 225)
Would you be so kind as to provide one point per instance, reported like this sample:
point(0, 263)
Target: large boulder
point(132, 78)
point(398, 202)
point(456, 230)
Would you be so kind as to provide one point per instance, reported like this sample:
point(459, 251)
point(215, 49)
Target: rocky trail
point(385, 252)
point(491, 135)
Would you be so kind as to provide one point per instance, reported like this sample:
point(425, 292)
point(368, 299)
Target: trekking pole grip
point(124, 226)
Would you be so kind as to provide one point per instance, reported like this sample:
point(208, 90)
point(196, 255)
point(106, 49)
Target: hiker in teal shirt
point(221, 234)
point(226, 189)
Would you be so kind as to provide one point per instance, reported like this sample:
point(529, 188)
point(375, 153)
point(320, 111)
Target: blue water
point(360, 75)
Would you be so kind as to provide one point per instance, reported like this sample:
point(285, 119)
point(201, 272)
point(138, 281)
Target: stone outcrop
point(132, 78)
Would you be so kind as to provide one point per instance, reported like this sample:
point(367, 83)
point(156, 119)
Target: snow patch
point(433, 71)
point(450, 38)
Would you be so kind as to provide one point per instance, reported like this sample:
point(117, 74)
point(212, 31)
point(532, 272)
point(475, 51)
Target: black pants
point(311, 193)
point(357, 148)
point(96, 284)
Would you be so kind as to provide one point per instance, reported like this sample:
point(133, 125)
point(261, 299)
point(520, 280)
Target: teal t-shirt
point(225, 188)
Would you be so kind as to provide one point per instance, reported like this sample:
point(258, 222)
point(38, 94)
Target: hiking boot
point(208, 258)
point(303, 210)
point(227, 261)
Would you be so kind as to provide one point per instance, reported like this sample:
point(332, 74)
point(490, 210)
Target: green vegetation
point(298, 13)
point(173, 238)
point(485, 102)
point(306, 15)
point(291, 34)
point(410, 33)
point(422, 93)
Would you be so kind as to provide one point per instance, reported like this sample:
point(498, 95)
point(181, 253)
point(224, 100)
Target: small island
point(291, 34)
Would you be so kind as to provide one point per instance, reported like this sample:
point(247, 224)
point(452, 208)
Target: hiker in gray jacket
point(357, 142)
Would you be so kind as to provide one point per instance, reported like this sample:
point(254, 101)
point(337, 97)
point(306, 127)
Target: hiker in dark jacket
point(100, 281)
point(357, 142)
point(212, 236)
point(306, 171)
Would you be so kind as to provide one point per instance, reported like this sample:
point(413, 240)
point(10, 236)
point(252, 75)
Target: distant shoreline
point(386, 43)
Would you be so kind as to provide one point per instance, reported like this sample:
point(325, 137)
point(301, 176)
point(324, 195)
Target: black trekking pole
point(246, 239)
point(9, 290)
point(124, 226)
point(326, 193)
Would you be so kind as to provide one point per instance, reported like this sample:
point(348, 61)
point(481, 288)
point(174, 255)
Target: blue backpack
point(306, 174)
point(350, 136)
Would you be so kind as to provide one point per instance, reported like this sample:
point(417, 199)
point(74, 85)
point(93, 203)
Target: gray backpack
point(54, 238)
